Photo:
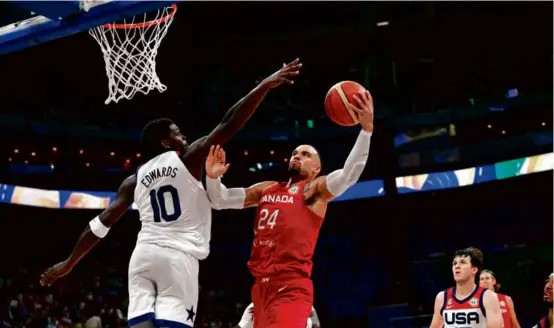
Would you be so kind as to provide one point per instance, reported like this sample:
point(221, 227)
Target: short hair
point(475, 255)
point(153, 133)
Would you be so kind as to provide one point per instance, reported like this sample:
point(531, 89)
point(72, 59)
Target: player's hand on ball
point(284, 75)
point(54, 273)
point(364, 110)
point(215, 163)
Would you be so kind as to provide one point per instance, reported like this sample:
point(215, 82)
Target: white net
point(130, 51)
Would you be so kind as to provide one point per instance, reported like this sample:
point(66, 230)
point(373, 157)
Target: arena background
point(462, 154)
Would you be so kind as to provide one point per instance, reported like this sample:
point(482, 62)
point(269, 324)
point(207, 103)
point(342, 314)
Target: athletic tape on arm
point(340, 180)
point(223, 198)
point(98, 228)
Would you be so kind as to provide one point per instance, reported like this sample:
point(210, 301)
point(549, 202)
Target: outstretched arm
point(240, 113)
point(222, 197)
point(337, 182)
point(96, 230)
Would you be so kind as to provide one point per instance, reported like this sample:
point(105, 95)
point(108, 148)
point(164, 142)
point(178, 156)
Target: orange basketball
point(337, 99)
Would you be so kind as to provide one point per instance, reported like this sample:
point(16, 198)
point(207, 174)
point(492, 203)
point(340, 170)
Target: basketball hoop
point(130, 50)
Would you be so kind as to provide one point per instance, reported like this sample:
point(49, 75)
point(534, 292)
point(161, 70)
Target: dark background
point(435, 66)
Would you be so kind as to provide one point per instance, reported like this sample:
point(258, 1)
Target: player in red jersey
point(546, 321)
point(288, 220)
point(487, 279)
point(467, 305)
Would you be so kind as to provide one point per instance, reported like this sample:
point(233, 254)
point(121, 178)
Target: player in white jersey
point(247, 320)
point(467, 305)
point(175, 214)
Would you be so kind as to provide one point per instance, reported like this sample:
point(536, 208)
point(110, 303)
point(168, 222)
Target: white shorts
point(163, 286)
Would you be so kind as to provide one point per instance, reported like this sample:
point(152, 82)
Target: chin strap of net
point(130, 51)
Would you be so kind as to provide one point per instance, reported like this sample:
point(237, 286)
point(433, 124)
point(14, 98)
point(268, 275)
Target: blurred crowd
point(91, 302)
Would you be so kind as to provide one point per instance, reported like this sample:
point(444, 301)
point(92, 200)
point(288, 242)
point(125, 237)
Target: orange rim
point(145, 24)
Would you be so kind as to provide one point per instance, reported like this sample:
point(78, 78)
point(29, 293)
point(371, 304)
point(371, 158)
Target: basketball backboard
point(31, 23)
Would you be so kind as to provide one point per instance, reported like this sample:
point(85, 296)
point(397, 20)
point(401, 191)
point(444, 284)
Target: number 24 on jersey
point(267, 219)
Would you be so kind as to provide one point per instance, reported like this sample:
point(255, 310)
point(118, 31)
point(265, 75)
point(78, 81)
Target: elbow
point(215, 205)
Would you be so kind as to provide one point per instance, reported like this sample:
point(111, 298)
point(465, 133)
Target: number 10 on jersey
point(267, 219)
point(157, 200)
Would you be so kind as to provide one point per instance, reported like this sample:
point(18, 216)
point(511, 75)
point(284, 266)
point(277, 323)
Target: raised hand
point(215, 162)
point(284, 75)
point(363, 110)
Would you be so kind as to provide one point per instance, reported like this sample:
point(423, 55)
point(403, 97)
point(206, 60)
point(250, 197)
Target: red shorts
point(282, 303)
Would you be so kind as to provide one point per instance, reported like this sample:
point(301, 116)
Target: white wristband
point(98, 228)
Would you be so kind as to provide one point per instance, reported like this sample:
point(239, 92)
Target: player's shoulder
point(264, 186)
point(441, 295)
point(128, 185)
point(488, 295)
point(130, 180)
point(444, 294)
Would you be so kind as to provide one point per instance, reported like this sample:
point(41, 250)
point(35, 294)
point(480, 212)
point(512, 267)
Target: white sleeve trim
point(98, 228)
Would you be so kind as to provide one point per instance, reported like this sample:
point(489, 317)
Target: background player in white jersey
point(247, 320)
point(467, 305)
point(175, 214)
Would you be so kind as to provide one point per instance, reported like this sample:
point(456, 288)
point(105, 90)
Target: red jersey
point(506, 310)
point(285, 232)
point(468, 312)
point(545, 322)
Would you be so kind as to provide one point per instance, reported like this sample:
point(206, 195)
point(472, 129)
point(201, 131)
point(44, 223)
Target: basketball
point(337, 99)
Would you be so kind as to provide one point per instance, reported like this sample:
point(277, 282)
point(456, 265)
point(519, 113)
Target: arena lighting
point(9, 159)
point(503, 132)
point(54, 149)
point(128, 161)
point(246, 153)
point(33, 154)
point(16, 150)
point(543, 124)
point(489, 126)
point(81, 151)
point(512, 93)
point(87, 164)
point(271, 152)
point(382, 23)
point(112, 154)
point(138, 155)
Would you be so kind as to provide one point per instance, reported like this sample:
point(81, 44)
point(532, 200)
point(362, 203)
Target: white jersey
point(173, 206)
point(466, 313)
